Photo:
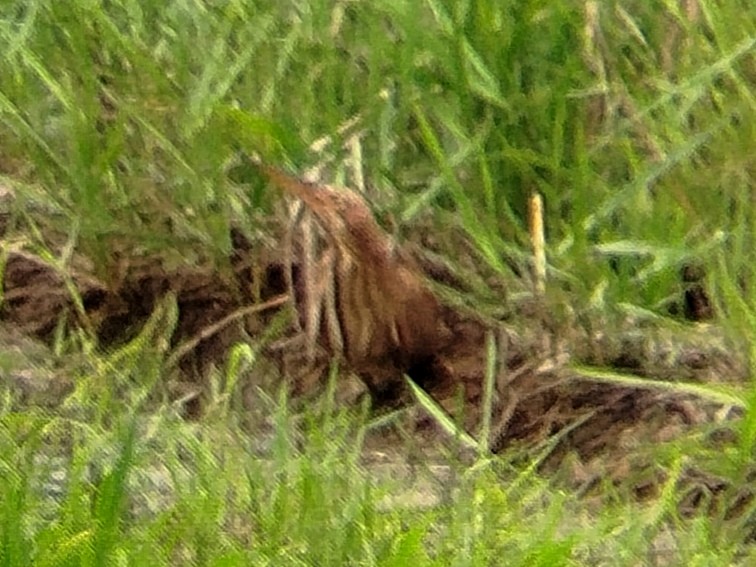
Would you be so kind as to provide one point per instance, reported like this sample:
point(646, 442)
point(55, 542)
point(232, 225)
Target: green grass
point(124, 128)
point(160, 491)
point(156, 490)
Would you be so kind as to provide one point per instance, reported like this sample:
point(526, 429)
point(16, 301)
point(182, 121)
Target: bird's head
point(342, 213)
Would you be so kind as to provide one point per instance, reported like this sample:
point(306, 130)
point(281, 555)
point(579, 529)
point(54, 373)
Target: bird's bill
point(320, 198)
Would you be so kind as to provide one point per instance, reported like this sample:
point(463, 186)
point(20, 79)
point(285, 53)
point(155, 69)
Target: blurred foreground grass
point(154, 489)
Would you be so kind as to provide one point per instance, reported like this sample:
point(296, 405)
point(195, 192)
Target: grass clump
point(161, 491)
point(120, 124)
point(155, 489)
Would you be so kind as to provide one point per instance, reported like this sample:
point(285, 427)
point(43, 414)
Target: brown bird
point(390, 321)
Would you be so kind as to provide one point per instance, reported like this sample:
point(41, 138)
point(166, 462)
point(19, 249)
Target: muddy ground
point(541, 396)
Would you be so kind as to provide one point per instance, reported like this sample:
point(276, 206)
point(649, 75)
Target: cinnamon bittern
point(390, 321)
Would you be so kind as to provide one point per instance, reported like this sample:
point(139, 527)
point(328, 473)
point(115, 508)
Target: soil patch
point(537, 399)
